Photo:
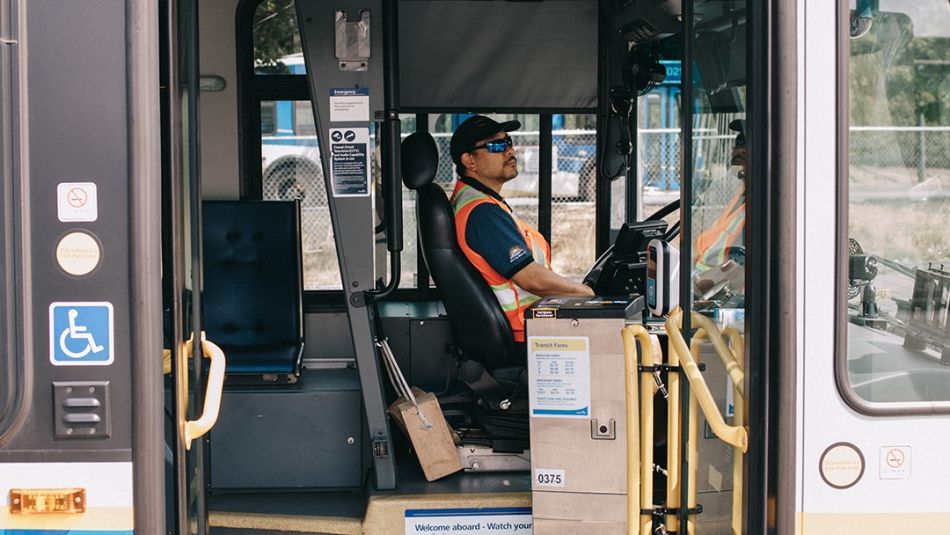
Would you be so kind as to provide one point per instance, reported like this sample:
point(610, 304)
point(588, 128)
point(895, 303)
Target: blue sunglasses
point(499, 145)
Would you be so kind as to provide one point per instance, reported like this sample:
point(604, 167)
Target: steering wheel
point(596, 270)
point(664, 211)
point(674, 229)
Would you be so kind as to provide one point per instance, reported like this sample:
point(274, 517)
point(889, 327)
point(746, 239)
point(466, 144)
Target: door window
point(896, 253)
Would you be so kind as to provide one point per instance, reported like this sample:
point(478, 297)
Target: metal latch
point(603, 431)
point(380, 448)
point(352, 42)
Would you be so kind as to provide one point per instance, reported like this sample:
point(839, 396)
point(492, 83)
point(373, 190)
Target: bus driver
point(512, 257)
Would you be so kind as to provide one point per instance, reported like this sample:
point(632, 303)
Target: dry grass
point(908, 232)
point(572, 239)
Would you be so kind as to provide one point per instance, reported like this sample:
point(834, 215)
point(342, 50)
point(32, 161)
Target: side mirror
point(860, 23)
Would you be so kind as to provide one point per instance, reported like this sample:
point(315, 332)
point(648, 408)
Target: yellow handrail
point(729, 358)
point(639, 441)
point(735, 343)
point(736, 352)
point(733, 435)
point(648, 387)
point(673, 434)
point(196, 428)
point(692, 439)
point(737, 462)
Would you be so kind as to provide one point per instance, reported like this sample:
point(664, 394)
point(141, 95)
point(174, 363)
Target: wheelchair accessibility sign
point(80, 334)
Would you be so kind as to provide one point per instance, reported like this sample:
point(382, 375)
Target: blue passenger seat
point(252, 302)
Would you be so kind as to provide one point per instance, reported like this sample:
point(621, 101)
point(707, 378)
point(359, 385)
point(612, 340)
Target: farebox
point(578, 413)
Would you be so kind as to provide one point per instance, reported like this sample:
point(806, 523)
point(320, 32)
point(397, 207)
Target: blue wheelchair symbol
point(81, 334)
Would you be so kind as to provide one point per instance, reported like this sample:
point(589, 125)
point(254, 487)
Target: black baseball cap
point(738, 125)
point(475, 129)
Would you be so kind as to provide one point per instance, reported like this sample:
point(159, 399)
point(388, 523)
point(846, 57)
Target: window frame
point(253, 89)
point(842, 162)
point(16, 370)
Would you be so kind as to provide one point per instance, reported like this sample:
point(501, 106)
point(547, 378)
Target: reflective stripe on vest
point(513, 299)
point(713, 244)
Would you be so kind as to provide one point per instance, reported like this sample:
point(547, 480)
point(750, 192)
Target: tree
point(275, 35)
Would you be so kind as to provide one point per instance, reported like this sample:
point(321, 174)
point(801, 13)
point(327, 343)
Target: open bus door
point(81, 444)
point(186, 510)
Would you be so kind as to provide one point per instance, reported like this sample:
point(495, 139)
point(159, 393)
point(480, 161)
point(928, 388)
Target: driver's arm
point(543, 282)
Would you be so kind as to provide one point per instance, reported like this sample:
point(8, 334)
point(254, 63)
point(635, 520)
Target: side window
point(658, 143)
point(897, 257)
point(282, 158)
point(573, 193)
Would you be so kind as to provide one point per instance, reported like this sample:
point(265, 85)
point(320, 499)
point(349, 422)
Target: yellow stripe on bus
point(95, 518)
point(872, 523)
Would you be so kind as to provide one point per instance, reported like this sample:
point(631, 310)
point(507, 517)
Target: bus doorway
point(359, 103)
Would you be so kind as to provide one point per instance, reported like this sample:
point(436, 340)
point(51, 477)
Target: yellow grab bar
point(196, 428)
point(733, 435)
point(729, 357)
point(648, 387)
point(639, 444)
point(737, 462)
point(673, 437)
point(736, 343)
point(692, 441)
point(736, 350)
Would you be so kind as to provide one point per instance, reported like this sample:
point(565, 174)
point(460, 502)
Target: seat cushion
point(262, 359)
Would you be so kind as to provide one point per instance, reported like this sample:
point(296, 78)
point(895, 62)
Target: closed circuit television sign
point(349, 161)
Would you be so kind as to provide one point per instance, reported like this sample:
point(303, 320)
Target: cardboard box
point(429, 433)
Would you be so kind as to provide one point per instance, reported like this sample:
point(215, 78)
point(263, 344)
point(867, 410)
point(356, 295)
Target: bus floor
point(367, 510)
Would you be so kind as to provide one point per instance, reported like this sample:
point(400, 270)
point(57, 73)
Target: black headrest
point(420, 160)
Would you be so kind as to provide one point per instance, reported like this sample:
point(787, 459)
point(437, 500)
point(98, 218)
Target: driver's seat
point(490, 364)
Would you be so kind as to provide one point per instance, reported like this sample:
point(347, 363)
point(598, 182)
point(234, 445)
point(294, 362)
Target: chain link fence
point(881, 158)
point(899, 192)
point(572, 160)
point(300, 176)
point(920, 153)
point(899, 155)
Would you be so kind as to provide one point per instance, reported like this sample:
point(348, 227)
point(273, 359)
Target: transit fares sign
point(559, 376)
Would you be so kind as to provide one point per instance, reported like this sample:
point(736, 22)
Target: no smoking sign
point(895, 462)
point(77, 201)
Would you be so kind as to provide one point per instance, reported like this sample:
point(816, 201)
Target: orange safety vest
point(513, 299)
point(713, 244)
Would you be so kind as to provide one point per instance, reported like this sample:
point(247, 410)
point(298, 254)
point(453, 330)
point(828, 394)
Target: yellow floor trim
point(873, 523)
point(292, 523)
point(385, 515)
